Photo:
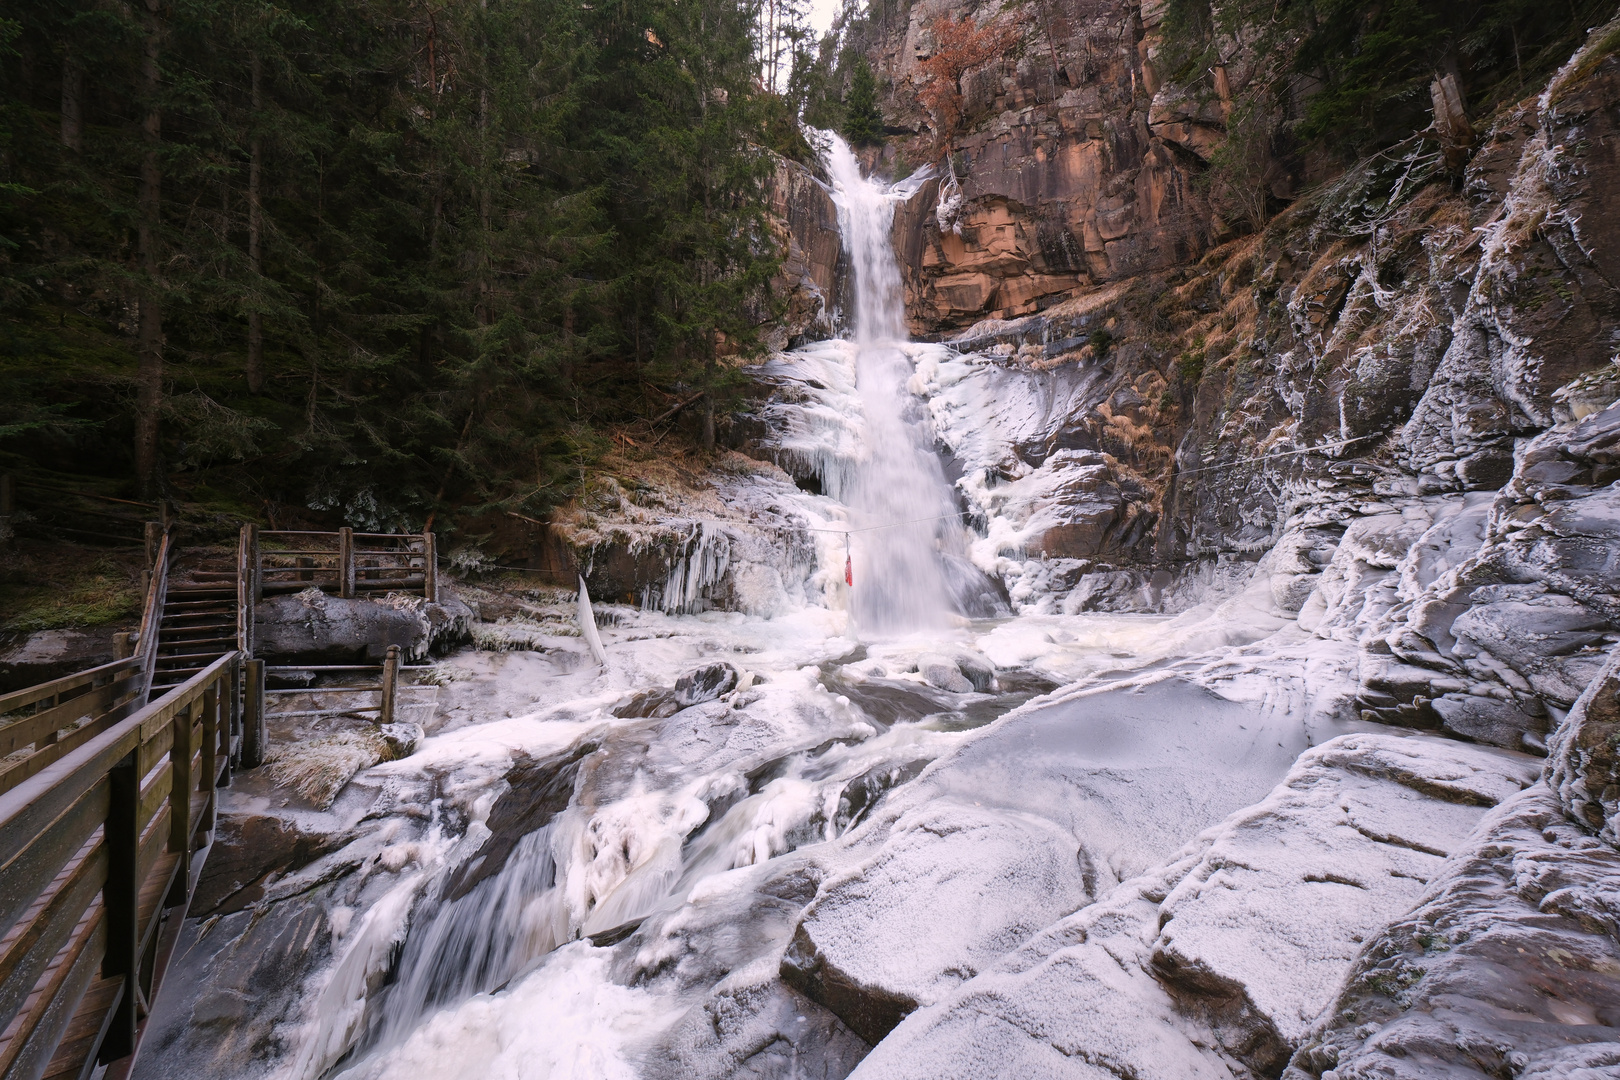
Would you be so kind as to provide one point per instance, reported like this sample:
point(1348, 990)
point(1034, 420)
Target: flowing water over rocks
point(949, 820)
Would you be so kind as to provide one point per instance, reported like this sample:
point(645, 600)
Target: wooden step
point(192, 643)
point(197, 604)
point(210, 657)
point(221, 591)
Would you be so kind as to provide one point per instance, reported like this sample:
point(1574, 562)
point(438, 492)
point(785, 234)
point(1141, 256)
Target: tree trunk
point(708, 400)
point(149, 379)
point(72, 102)
point(486, 289)
point(255, 342)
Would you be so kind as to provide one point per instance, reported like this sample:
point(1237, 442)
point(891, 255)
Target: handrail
point(64, 713)
point(395, 566)
point(93, 848)
point(152, 618)
point(28, 695)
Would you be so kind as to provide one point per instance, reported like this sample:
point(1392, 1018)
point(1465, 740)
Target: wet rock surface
point(51, 654)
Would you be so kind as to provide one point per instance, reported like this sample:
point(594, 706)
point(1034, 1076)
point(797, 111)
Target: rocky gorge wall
point(1331, 400)
point(1318, 413)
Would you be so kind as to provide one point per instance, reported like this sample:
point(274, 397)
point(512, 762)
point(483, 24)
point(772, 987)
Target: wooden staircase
point(199, 622)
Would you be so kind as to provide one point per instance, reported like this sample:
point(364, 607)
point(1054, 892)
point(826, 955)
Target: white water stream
point(901, 507)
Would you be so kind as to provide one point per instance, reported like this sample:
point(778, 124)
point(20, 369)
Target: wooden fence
point(96, 870)
point(345, 562)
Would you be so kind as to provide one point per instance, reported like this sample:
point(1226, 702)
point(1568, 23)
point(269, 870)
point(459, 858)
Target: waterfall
point(901, 507)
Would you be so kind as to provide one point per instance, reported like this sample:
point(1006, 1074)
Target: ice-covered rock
point(1508, 966)
point(314, 627)
point(942, 672)
point(1287, 890)
point(952, 888)
point(1585, 755)
point(705, 683)
point(1487, 644)
point(1215, 964)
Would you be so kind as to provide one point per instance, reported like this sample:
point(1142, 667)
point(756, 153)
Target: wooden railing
point(344, 562)
point(160, 548)
point(44, 722)
point(95, 847)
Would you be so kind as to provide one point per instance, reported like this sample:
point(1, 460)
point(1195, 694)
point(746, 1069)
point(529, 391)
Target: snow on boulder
point(1215, 964)
point(1075, 1003)
point(953, 888)
point(1288, 890)
point(1509, 965)
point(942, 672)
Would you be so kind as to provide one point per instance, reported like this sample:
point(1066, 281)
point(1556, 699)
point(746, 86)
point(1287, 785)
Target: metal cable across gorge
point(1286, 453)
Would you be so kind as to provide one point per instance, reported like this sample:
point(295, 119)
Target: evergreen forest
point(378, 260)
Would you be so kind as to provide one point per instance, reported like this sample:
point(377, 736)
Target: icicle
point(849, 567)
point(587, 625)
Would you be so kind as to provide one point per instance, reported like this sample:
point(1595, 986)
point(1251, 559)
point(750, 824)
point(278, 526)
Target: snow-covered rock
point(1215, 964)
point(953, 888)
point(1508, 966)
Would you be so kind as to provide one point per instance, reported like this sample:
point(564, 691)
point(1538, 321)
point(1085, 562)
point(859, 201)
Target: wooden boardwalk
point(107, 806)
point(109, 780)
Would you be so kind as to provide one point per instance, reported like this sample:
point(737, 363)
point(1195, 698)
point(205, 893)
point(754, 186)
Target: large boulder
point(51, 654)
point(1214, 964)
point(1509, 965)
point(1261, 930)
point(314, 627)
point(954, 887)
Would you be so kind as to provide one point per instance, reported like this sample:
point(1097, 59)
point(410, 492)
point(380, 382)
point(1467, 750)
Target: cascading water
point(901, 505)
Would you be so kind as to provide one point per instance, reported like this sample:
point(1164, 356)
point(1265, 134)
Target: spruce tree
point(863, 124)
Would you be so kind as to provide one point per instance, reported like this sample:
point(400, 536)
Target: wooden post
point(390, 684)
point(256, 558)
point(255, 741)
point(346, 563)
point(210, 754)
point(121, 897)
point(234, 689)
point(180, 806)
point(247, 586)
point(430, 569)
point(154, 541)
point(123, 645)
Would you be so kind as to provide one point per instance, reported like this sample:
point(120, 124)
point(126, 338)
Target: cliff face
point(1336, 396)
point(805, 222)
point(1069, 176)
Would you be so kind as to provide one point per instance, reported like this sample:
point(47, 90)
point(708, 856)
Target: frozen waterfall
point(902, 511)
